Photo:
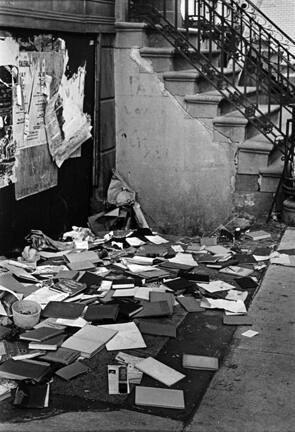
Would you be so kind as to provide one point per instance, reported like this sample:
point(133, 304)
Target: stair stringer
point(184, 177)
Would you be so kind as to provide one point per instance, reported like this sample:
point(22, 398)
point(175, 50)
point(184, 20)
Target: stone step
point(155, 39)
point(236, 126)
point(253, 154)
point(191, 81)
point(212, 104)
point(169, 59)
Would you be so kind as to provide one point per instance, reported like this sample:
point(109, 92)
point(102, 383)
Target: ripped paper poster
point(40, 74)
point(7, 143)
point(66, 125)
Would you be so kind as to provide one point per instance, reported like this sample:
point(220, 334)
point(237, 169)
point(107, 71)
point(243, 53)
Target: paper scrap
point(156, 239)
point(250, 333)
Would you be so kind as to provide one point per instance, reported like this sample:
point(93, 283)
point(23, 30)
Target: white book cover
point(128, 337)
point(159, 371)
point(89, 339)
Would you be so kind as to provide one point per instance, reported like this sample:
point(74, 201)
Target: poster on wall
point(8, 61)
point(68, 127)
point(42, 122)
point(7, 143)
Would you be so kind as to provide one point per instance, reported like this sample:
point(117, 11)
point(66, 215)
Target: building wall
point(182, 178)
point(88, 29)
point(282, 13)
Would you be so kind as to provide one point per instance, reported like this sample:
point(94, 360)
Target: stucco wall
point(183, 179)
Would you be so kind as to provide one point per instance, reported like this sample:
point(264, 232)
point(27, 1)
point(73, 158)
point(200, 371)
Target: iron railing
point(251, 45)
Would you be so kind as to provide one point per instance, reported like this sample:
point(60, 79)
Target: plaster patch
point(144, 65)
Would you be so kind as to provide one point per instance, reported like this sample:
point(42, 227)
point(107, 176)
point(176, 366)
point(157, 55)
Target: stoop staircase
point(233, 69)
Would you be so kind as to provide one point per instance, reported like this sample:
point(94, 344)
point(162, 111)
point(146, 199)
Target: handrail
point(269, 20)
point(244, 44)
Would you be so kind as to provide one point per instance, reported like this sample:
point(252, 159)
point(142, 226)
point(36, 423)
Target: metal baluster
point(176, 14)
point(223, 52)
point(186, 18)
point(165, 8)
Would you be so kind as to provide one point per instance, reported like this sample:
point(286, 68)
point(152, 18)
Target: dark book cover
point(62, 355)
point(97, 313)
point(90, 279)
point(55, 309)
point(129, 309)
point(156, 327)
point(153, 309)
point(68, 286)
point(30, 395)
point(24, 369)
point(41, 334)
point(246, 282)
point(179, 285)
point(72, 370)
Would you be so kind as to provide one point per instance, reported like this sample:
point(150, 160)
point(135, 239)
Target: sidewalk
point(254, 390)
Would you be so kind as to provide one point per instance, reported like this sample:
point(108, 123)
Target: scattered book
point(154, 309)
point(68, 286)
point(55, 309)
point(156, 327)
point(129, 309)
point(195, 277)
point(90, 279)
point(62, 355)
point(89, 340)
point(191, 361)
point(81, 265)
point(156, 296)
point(159, 371)
point(78, 257)
point(24, 369)
point(41, 334)
point(123, 283)
point(257, 235)
point(128, 337)
point(159, 397)
point(246, 282)
point(179, 285)
point(72, 370)
point(49, 344)
point(97, 313)
point(237, 271)
point(190, 304)
point(32, 395)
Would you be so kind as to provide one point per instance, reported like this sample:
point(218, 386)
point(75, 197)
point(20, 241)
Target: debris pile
point(96, 293)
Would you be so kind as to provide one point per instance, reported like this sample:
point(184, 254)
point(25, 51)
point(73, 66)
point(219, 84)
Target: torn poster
point(66, 125)
point(9, 50)
point(40, 75)
point(7, 143)
point(39, 72)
